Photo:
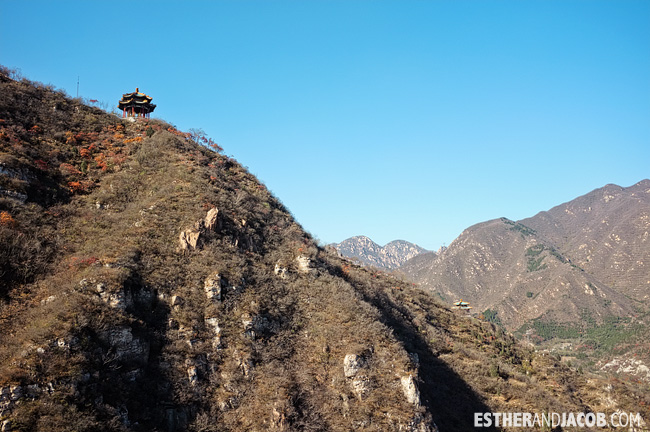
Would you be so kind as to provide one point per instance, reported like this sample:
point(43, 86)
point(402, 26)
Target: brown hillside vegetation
point(152, 284)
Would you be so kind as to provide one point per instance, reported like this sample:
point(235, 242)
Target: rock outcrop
point(192, 238)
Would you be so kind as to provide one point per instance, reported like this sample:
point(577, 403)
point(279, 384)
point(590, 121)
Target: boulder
point(352, 364)
point(189, 239)
point(211, 219)
point(212, 287)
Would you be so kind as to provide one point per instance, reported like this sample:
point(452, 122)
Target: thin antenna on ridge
point(77, 85)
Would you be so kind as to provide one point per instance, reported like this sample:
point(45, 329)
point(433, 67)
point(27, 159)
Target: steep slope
point(506, 267)
point(150, 283)
point(387, 257)
point(607, 233)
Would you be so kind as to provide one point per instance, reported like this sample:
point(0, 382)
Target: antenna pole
point(77, 85)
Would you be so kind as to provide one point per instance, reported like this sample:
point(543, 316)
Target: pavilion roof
point(135, 99)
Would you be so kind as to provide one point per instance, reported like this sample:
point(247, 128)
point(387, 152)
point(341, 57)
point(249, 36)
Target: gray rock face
point(126, 347)
point(212, 287)
point(353, 369)
point(388, 257)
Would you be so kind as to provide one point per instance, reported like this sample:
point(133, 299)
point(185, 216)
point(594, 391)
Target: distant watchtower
point(136, 105)
point(461, 305)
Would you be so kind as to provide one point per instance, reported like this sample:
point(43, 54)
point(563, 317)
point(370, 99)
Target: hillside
point(152, 284)
point(369, 253)
point(606, 233)
point(578, 271)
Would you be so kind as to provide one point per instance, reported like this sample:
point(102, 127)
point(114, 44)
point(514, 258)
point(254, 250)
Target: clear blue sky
point(393, 119)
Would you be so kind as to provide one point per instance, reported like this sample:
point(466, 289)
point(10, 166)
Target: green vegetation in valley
point(492, 316)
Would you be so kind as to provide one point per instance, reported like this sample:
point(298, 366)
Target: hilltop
point(152, 284)
point(369, 253)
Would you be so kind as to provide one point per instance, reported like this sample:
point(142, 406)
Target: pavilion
point(136, 105)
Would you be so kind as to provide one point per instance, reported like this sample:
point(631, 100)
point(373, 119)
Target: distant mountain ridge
point(579, 271)
point(387, 257)
point(587, 254)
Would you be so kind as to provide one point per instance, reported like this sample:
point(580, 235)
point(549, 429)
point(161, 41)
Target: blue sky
point(393, 119)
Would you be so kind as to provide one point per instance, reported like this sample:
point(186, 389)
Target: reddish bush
point(7, 220)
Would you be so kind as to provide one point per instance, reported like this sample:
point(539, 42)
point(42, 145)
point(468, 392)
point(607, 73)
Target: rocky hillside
point(607, 234)
point(152, 284)
point(579, 271)
point(369, 253)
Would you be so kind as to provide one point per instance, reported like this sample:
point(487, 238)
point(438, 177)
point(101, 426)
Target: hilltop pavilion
point(461, 305)
point(136, 105)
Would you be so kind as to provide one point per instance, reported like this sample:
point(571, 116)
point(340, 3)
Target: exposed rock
point(352, 364)
point(281, 272)
point(50, 299)
point(247, 323)
point(192, 375)
point(15, 393)
point(212, 287)
point(33, 390)
point(352, 368)
point(6, 426)
point(125, 346)
point(189, 239)
point(361, 385)
point(628, 366)
point(213, 325)
point(119, 300)
point(211, 219)
point(177, 300)
point(304, 263)
point(410, 390)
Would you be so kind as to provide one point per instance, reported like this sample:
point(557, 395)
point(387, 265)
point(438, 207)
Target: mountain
point(607, 233)
point(152, 284)
point(386, 257)
point(578, 271)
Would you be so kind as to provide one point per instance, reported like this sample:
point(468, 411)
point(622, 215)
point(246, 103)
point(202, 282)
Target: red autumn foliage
point(7, 220)
point(77, 262)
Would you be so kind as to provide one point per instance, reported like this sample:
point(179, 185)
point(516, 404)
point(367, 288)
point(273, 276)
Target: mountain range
point(369, 253)
point(149, 283)
point(580, 271)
